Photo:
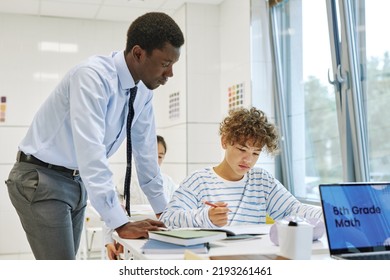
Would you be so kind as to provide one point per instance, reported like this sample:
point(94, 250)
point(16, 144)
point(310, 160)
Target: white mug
point(295, 239)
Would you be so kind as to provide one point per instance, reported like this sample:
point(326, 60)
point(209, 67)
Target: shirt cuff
point(158, 203)
point(114, 217)
point(206, 218)
point(107, 235)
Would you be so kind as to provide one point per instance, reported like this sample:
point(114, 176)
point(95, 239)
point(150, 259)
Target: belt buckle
point(75, 173)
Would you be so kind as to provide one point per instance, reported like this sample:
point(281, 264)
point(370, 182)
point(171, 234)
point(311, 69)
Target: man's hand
point(139, 229)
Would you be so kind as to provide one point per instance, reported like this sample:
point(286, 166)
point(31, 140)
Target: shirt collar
point(126, 81)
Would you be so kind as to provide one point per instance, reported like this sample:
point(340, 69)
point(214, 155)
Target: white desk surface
point(256, 246)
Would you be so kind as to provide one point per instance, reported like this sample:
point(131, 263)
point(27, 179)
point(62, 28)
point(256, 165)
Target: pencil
point(212, 204)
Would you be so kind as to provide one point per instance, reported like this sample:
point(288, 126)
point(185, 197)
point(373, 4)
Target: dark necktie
point(130, 116)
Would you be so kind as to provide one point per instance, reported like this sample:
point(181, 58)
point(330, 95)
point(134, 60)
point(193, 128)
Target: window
point(301, 32)
point(375, 67)
point(332, 73)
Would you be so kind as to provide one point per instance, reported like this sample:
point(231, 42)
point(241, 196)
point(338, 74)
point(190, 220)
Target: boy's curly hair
point(251, 124)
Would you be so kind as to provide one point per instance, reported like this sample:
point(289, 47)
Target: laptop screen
point(357, 216)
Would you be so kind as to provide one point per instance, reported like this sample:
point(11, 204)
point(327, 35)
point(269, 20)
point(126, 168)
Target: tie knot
point(133, 92)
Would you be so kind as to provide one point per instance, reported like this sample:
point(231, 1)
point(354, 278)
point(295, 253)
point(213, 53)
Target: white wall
point(261, 70)
point(174, 130)
point(217, 54)
point(191, 137)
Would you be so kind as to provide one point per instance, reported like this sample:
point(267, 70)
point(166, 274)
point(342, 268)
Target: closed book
point(187, 237)
point(159, 247)
point(249, 257)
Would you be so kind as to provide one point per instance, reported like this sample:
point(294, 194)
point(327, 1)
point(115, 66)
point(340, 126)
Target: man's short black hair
point(152, 31)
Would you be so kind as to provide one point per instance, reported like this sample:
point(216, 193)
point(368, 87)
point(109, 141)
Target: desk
point(255, 246)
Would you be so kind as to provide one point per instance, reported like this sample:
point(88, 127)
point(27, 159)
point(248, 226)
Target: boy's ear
point(223, 142)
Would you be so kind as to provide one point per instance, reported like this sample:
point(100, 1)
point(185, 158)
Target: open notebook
point(237, 230)
point(357, 219)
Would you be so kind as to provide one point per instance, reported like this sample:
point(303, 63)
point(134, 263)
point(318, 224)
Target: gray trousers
point(51, 207)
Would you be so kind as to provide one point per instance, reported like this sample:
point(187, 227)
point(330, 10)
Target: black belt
point(22, 157)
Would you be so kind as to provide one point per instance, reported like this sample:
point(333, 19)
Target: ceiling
point(115, 10)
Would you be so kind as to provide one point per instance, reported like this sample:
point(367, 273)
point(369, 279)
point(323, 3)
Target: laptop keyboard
point(369, 257)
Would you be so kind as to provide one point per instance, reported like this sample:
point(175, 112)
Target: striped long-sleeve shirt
point(249, 200)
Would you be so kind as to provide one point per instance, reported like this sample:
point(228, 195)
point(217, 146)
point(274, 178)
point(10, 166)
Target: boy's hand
point(219, 215)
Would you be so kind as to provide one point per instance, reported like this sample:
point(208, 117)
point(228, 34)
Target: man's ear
point(137, 53)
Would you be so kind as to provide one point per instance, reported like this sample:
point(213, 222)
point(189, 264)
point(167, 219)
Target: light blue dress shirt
point(83, 123)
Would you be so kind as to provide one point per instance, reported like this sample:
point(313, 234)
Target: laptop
point(357, 219)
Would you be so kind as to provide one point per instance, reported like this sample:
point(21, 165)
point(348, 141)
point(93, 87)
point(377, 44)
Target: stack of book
point(160, 247)
point(178, 240)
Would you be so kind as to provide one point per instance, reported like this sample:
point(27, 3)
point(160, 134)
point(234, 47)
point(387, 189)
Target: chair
point(92, 228)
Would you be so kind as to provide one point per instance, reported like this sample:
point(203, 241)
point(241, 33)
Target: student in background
point(238, 192)
point(65, 154)
point(138, 197)
point(169, 185)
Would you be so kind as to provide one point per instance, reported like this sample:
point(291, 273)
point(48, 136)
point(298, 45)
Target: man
point(65, 153)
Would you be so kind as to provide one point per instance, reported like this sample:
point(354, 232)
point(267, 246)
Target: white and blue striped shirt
point(249, 200)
